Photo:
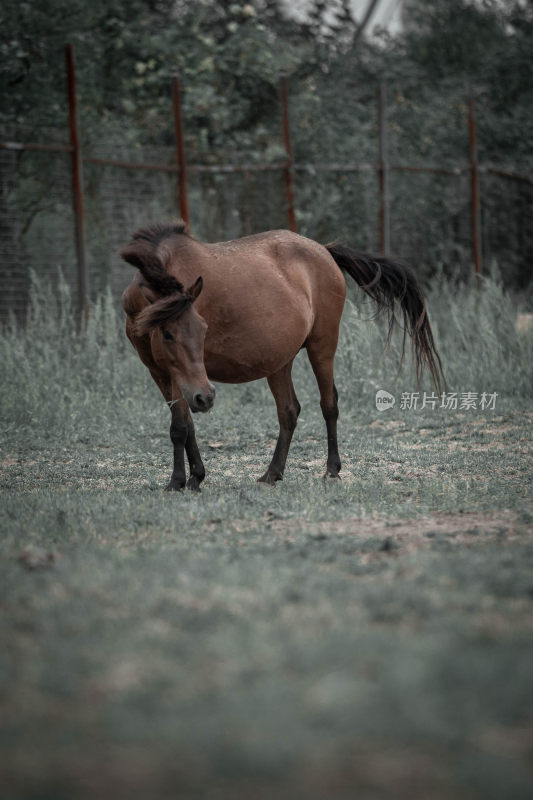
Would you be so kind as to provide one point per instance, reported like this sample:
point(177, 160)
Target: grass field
point(366, 638)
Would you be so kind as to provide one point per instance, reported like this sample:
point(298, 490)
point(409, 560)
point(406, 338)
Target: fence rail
point(287, 167)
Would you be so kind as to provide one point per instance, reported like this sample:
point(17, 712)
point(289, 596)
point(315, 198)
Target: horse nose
point(204, 401)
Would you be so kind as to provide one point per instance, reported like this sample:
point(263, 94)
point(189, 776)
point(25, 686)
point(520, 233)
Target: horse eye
point(168, 336)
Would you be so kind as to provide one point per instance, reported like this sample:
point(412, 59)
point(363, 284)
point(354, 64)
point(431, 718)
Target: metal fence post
point(183, 204)
point(475, 195)
point(383, 172)
point(78, 201)
point(288, 149)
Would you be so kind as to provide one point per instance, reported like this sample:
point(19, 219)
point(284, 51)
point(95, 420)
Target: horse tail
point(389, 282)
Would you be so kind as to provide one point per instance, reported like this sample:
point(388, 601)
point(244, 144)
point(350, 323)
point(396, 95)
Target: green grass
point(367, 638)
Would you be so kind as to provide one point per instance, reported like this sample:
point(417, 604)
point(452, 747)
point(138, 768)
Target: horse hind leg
point(288, 409)
point(322, 364)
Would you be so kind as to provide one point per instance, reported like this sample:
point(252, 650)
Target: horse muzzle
point(202, 401)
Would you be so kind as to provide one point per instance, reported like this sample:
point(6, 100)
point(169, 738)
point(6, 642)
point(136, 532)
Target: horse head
point(177, 335)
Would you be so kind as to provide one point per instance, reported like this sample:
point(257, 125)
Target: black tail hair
point(387, 281)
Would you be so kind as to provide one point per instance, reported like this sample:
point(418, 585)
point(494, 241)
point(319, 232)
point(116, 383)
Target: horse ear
point(195, 289)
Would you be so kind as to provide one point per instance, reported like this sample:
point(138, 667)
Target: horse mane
point(157, 314)
point(154, 234)
point(141, 253)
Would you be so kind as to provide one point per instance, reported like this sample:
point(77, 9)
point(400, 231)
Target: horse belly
point(248, 352)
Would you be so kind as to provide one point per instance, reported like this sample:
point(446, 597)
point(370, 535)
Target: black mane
point(166, 309)
point(141, 253)
point(156, 233)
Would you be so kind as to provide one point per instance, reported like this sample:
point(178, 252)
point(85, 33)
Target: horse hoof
point(267, 479)
point(174, 487)
point(331, 475)
point(193, 484)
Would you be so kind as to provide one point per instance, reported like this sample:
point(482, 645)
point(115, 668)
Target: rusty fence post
point(383, 172)
point(183, 203)
point(289, 192)
point(78, 201)
point(475, 195)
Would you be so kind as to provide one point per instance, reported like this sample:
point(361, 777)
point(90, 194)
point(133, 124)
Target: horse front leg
point(183, 438)
point(196, 465)
point(178, 437)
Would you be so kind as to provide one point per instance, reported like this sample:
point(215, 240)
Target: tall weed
point(57, 381)
point(475, 334)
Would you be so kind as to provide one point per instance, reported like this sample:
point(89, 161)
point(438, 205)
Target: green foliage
point(126, 53)
point(485, 49)
point(452, 38)
point(230, 56)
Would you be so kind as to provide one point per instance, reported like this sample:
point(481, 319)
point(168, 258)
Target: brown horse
point(250, 306)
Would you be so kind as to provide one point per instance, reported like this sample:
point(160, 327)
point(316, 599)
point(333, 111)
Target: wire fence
point(62, 207)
